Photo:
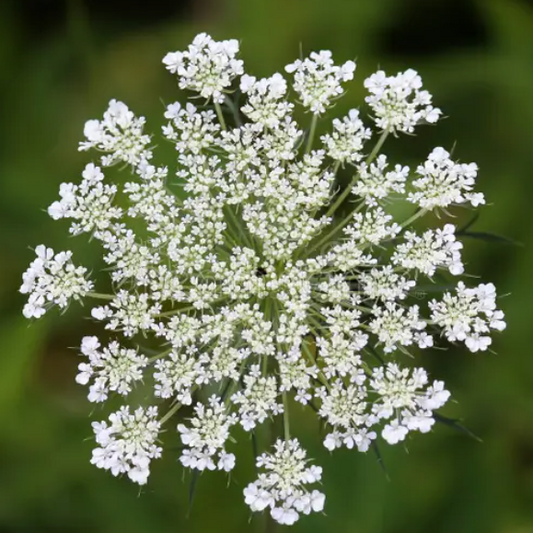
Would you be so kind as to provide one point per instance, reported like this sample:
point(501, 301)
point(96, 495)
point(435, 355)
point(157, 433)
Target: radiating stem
point(237, 228)
point(270, 524)
point(172, 411)
point(322, 377)
point(234, 109)
point(312, 130)
point(286, 423)
point(228, 393)
point(100, 296)
point(159, 355)
point(176, 311)
point(377, 148)
point(417, 214)
point(330, 234)
point(220, 116)
point(348, 189)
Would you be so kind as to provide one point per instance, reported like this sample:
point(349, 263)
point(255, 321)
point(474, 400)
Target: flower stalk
point(252, 292)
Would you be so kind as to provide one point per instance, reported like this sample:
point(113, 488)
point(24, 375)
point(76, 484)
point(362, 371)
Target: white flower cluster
point(258, 399)
point(403, 400)
point(127, 443)
point(245, 288)
point(398, 103)
point(52, 279)
point(398, 396)
point(469, 315)
point(282, 487)
point(430, 251)
point(444, 182)
point(395, 326)
point(207, 67)
point(206, 438)
point(375, 183)
point(266, 105)
point(113, 368)
point(346, 142)
point(90, 203)
point(119, 134)
point(317, 80)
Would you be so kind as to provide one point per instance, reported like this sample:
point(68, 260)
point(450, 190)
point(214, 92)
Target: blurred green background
point(61, 61)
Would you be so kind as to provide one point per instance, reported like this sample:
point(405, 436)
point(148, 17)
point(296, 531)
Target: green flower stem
point(159, 355)
point(369, 160)
point(268, 316)
point(231, 385)
point(417, 214)
point(220, 116)
point(100, 296)
point(377, 148)
point(316, 323)
point(234, 109)
point(237, 228)
point(334, 171)
point(286, 422)
point(311, 137)
point(172, 411)
point(322, 377)
point(231, 240)
point(269, 525)
point(232, 222)
point(328, 236)
point(176, 311)
point(229, 392)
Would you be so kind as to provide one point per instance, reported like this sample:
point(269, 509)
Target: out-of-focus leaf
point(470, 223)
point(490, 237)
point(20, 345)
point(192, 490)
point(379, 457)
point(455, 424)
point(374, 352)
point(434, 287)
point(254, 445)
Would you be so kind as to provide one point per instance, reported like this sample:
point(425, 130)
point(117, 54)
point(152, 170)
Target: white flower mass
point(255, 284)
